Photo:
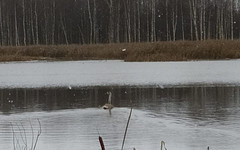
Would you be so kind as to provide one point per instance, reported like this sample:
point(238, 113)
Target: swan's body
point(109, 105)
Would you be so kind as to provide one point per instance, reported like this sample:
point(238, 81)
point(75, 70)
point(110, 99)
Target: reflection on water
point(184, 117)
point(197, 100)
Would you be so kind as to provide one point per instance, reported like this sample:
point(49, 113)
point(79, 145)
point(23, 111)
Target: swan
point(108, 105)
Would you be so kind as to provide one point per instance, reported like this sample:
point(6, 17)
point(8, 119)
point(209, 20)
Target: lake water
point(190, 108)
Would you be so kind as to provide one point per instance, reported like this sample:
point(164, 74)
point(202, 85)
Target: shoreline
point(130, 52)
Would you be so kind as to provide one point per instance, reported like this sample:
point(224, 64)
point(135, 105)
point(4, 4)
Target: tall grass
point(158, 51)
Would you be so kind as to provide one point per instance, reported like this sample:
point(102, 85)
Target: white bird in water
point(109, 105)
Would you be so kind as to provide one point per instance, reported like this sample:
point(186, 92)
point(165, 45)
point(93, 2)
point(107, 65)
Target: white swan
point(109, 105)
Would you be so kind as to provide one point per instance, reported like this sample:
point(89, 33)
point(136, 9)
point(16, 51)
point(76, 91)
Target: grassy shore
point(158, 51)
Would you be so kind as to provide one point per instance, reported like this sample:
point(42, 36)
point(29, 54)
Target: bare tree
point(110, 26)
point(182, 20)
point(45, 23)
point(204, 19)
point(16, 24)
point(81, 36)
point(62, 21)
point(128, 9)
point(1, 23)
point(153, 22)
point(231, 16)
point(193, 7)
point(36, 22)
point(209, 25)
point(134, 21)
point(95, 25)
point(117, 31)
point(147, 20)
point(53, 20)
point(32, 23)
point(9, 37)
point(191, 20)
point(23, 22)
point(139, 20)
point(201, 20)
point(91, 23)
point(167, 25)
point(174, 18)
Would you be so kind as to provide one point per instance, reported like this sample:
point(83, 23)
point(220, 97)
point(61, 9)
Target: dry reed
point(101, 142)
point(21, 141)
point(157, 51)
point(125, 133)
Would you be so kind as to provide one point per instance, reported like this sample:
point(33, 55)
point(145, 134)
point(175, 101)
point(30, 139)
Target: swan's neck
point(110, 98)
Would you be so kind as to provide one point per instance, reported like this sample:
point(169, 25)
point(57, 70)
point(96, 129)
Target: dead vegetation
point(21, 134)
point(158, 51)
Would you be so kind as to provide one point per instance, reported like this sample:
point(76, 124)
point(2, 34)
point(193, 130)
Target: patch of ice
point(116, 72)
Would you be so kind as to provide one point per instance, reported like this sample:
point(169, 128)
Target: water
point(189, 105)
point(185, 118)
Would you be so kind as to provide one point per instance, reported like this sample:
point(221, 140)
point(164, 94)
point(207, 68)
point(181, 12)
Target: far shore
point(157, 51)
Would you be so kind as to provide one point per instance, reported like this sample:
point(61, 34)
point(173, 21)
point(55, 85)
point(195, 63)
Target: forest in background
point(53, 22)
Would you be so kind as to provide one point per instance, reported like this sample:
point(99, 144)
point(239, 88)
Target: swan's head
point(109, 93)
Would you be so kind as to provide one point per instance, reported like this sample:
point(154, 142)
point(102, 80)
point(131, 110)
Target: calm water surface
point(186, 118)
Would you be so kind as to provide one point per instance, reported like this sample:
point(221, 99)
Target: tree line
point(30, 22)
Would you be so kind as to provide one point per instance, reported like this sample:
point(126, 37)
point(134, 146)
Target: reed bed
point(157, 51)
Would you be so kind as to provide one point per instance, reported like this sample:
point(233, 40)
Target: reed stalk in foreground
point(126, 128)
point(101, 142)
point(125, 133)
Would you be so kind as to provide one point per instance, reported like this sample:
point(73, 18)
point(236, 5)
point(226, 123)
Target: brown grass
point(158, 51)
